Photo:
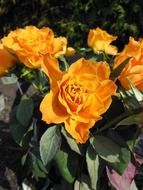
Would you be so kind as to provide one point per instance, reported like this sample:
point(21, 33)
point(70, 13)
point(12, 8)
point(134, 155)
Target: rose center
point(74, 92)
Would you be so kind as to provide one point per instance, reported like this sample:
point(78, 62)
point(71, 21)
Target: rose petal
point(103, 70)
point(52, 110)
point(78, 130)
point(51, 68)
point(7, 60)
point(99, 40)
point(59, 46)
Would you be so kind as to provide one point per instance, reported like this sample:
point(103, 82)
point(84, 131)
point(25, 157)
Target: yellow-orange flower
point(133, 71)
point(7, 61)
point(100, 40)
point(58, 47)
point(78, 96)
point(70, 51)
point(31, 43)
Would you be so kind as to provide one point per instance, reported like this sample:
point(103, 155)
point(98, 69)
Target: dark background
point(74, 18)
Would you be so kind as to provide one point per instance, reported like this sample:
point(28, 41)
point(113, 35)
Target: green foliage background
point(74, 18)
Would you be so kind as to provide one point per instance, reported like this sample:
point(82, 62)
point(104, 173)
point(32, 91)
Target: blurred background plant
point(73, 18)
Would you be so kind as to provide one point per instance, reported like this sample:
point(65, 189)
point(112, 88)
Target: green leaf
point(67, 164)
point(114, 136)
point(20, 133)
point(23, 159)
point(49, 144)
point(138, 94)
point(65, 63)
point(82, 184)
point(78, 148)
point(118, 157)
point(85, 49)
point(92, 161)
point(133, 119)
point(97, 58)
point(17, 131)
point(25, 110)
point(26, 139)
point(26, 185)
point(37, 166)
point(131, 144)
point(106, 148)
point(116, 72)
point(100, 56)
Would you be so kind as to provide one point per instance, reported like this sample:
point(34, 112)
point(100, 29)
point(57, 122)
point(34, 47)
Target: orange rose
point(31, 43)
point(59, 46)
point(133, 71)
point(7, 61)
point(78, 97)
point(99, 40)
point(70, 51)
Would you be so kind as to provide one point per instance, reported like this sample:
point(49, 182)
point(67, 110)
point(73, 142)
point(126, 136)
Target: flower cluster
point(80, 95)
point(75, 101)
point(80, 86)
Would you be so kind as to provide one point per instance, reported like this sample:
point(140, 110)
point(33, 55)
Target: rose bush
point(78, 125)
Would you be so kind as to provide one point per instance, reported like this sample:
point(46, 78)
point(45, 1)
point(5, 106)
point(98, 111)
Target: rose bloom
point(7, 61)
point(100, 40)
point(31, 43)
point(133, 71)
point(78, 96)
point(70, 52)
